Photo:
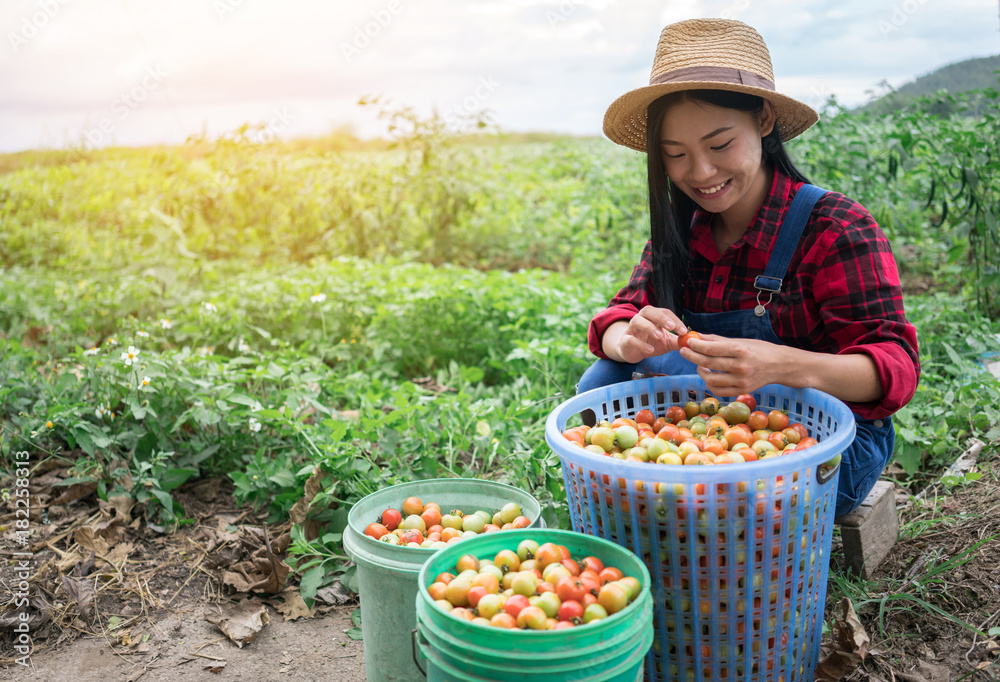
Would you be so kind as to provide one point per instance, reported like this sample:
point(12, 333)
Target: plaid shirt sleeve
point(632, 298)
point(856, 305)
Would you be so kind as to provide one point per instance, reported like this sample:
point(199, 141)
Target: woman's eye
point(721, 147)
point(673, 156)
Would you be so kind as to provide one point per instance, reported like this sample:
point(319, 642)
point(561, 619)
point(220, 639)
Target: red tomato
point(569, 588)
point(645, 417)
point(747, 400)
point(571, 610)
point(758, 420)
point(391, 519)
point(682, 342)
point(676, 413)
point(514, 604)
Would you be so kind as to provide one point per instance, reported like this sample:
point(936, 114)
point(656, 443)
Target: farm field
point(209, 348)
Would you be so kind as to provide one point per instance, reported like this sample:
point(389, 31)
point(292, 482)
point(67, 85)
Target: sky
point(97, 73)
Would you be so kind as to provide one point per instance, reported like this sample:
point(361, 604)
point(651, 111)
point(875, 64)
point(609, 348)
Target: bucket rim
point(827, 449)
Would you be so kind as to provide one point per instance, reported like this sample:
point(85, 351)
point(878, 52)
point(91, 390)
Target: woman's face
point(713, 155)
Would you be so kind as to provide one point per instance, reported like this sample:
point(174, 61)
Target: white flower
point(129, 356)
point(34, 434)
point(257, 407)
point(101, 411)
point(205, 350)
point(142, 334)
point(91, 351)
point(317, 298)
point(209, 307)
point(243, 347)
point(165, 323)
point(145, 381)
point(254, 424)
point(113, 341)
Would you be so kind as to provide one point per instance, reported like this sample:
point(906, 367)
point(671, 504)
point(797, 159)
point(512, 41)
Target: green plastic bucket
point(387, 574)
point(609, 650)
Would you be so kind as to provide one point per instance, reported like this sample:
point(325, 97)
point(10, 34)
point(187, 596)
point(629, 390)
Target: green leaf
point(310, 583)
point(174, 478)
point(356, 617)
point(355, 633)
point(269, 414)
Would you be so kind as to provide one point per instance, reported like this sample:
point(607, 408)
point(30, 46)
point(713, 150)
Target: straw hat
point(711, 54)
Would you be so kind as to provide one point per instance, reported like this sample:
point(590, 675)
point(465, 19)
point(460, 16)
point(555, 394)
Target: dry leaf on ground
point(849, 648)
point(293, 607)
point(240, 622)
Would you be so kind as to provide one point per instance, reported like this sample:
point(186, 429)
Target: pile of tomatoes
point(705, 432)
point(417, 524)
point(533, 587)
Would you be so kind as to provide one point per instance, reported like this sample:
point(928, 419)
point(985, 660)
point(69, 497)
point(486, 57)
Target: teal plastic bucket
point(387, 574)
point(609, 650)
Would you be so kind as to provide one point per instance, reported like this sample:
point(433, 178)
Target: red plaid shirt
point(841, 293)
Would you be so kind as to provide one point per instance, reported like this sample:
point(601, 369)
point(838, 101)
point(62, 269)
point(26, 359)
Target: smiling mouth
point(713, 190)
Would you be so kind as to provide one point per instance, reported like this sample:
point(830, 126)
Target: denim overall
point(864, 460)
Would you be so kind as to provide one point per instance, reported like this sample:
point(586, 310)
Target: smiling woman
point(785, 282)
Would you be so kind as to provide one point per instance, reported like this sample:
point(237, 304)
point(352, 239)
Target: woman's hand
point(644, 336)
point(730, 367)
point(733, 366)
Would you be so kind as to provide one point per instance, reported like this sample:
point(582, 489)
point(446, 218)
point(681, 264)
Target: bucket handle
point(827, 470)
point(413, 644)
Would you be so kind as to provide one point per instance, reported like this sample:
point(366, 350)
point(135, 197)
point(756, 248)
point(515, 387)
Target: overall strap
point(788, 238)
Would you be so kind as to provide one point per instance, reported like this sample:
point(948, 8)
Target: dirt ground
point(146, 618)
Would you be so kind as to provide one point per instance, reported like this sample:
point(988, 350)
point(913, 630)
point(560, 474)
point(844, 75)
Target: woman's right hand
point(646, 335)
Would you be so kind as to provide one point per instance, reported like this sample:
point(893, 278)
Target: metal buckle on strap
point(771, 285)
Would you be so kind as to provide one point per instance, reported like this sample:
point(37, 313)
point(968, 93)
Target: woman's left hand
point(730, 367)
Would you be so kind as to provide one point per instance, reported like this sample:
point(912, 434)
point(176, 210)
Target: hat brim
point(625, 119)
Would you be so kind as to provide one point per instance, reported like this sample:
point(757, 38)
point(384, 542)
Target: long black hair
point(670, 210)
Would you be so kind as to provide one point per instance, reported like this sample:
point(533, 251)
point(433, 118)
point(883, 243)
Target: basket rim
point(828, 448)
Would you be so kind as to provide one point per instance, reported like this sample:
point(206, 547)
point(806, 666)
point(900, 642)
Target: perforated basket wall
point(738, 554)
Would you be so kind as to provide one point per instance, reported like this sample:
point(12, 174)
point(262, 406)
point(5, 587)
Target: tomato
point(390, 518)
point(507, 560)
point(437, 590)
point(572, 566)
point(575, 436)
point(675, 413)
point(747, 400)
point(612, 597)
point(548, 553)
point(467, 562)
point(609, 574)
point(645, 417)
point(521, 522)
point(682, 341)
point(735, 436)
point(805, 443)
point(778, 439)
point(571, 610)
point(801, 428)
point(710, 405)
point(757, 420)
point(514, 604)
point(503, 620)
point(457, 592)
point(659, 423)
point(594, 612)
point(476, 592)
point(571, 588)
point(777, 420)
point(532, 618)
point(431, 517)
point(593, 563)
point(412, 505)
point(633, 585)
point(487, 580)
point(792, 435)
point(669, 433)
point(376, 530)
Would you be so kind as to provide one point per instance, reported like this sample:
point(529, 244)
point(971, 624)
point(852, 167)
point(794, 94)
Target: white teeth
point(713, 190)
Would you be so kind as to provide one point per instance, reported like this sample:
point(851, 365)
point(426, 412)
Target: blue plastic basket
point(738, 554)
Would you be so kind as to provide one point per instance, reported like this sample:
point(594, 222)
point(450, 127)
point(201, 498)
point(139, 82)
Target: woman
point(787, 284)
